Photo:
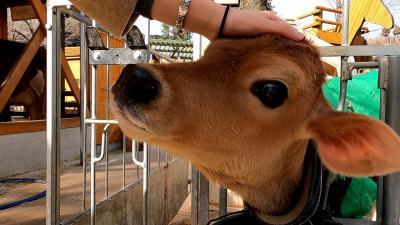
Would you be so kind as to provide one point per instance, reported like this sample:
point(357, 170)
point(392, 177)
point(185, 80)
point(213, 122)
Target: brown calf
point(244, 115)
point(30, 91)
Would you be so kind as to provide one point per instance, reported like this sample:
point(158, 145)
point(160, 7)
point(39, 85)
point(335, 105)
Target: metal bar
point(53, 116)
point(391, 197)
point(93, 148)
point(382, 84)
point(108, 82)
point(223, 201)
point(344, 78)
point(96, 121)
point(146, 166)
point(104, 150)
point(358, 65)
point(358, 50)
point(195, 196)
point(135, 156)
point(107, 114)
point(136, 146)
point(117, 56)
point(83, 109)
point(82, 18)
point(204, 200)
point(123, 161)
point(346, 19)
point(379, 200)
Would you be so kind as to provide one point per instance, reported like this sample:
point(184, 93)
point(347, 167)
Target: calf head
point(244, 113)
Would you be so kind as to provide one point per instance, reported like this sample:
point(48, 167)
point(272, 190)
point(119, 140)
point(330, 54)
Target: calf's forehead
point(257, 52)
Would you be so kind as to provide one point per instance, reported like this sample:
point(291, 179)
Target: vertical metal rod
point(204, 200)
point(382, 84)
point(345, 23)
point(345, 42)
point(107, 116)
point(379, 201)
point(135, 148)
point(107, 161)
point(345, 76)
point(223, 201)
point(391, 197)
point(123, 161)
point(195, 196)
point(53, 121)
point(146, 166)
point(93, 148)
point(83, 89)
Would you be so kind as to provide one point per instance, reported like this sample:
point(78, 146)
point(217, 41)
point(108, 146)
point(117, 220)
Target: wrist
point(215, 19)
point(204, 17)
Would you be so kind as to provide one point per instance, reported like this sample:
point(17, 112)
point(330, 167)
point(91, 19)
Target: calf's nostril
point(141, 87)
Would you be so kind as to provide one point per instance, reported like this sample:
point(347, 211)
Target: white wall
point(26, 152)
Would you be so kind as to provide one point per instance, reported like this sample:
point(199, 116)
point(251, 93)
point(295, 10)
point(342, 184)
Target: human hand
point(243, 23)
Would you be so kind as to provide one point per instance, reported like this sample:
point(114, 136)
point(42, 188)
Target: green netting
point(363, 95)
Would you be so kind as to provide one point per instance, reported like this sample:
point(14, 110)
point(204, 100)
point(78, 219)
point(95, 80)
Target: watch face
point(183, 9)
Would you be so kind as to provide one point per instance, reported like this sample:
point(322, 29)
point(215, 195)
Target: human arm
point(204, 17)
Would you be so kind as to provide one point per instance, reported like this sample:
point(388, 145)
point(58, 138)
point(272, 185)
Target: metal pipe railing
point(145, 166)
point(391, 194)
point(53, 120)
point(83, 107)
point(93, 149)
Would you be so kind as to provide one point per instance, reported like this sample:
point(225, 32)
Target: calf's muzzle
point(136, 87)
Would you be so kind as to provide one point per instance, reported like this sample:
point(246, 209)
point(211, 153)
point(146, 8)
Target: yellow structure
point(373, 11)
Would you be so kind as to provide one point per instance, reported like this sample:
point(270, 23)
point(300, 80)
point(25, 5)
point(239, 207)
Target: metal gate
point(93, 55)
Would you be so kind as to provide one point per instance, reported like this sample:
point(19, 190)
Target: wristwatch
point(183, 9)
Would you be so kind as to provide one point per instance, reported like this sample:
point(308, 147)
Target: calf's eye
point(272, 93)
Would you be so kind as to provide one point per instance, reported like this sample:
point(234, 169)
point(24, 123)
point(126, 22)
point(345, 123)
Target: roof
point(175, 49)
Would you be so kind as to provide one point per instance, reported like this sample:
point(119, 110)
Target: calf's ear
point(355, 145)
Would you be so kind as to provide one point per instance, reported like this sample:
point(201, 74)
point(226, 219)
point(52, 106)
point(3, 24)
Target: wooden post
point(40, 11)
point(3, 21)
point(19, 68)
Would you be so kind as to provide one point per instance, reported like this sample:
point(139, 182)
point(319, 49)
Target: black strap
point(311, 212)
point(222, 26)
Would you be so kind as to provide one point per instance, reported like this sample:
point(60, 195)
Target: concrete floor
point(184, 215)
point(71, 190)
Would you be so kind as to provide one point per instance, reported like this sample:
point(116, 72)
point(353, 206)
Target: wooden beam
point(23, 12)
point(34, 126)
point(312, 13)
point(19, 68)
point(12, 3)
point(329, 9)
point(40, 11)
point(3, 22)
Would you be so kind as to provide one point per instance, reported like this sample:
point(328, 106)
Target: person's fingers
point(283, 28)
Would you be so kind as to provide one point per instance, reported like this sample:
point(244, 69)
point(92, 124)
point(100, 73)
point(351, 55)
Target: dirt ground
point(33, 213)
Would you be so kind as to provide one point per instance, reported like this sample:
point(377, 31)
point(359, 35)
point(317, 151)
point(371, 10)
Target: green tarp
point(363, 96)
